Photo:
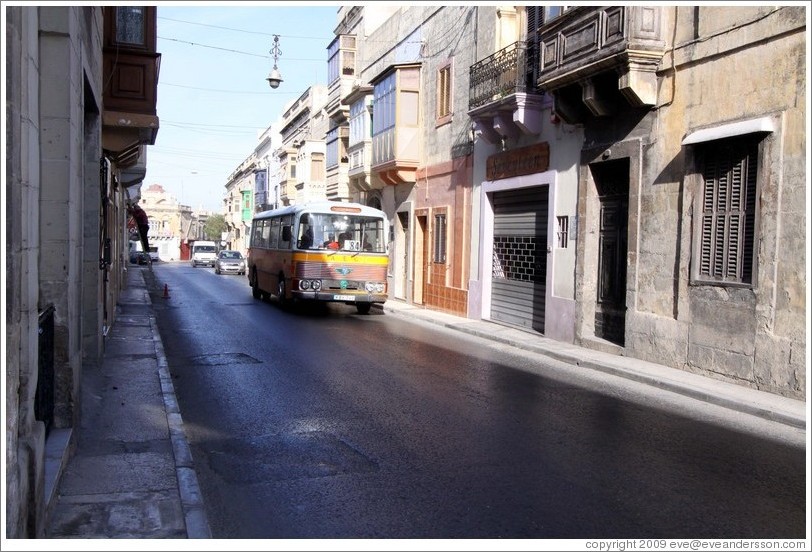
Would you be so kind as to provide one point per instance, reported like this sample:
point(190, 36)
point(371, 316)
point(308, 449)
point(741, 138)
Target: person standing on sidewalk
point(142, 221)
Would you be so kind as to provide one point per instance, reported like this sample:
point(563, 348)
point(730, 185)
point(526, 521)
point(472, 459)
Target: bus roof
point(324, 206)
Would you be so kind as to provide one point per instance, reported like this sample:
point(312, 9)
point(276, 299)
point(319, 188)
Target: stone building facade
point(547, 167)
point(74, 154)
point(171, 224)
point(691, 214)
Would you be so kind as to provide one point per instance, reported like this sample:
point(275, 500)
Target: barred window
point(563, 231)
point(440, 232)
point(727, 214)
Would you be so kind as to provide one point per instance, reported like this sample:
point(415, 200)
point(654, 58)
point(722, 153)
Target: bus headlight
point(374, 287)
point(305, 285)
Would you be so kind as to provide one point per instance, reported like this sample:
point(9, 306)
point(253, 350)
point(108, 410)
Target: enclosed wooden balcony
point(131, 68)
point(396, 124)
point(595, 58)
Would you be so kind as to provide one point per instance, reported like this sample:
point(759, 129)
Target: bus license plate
point(343, 298)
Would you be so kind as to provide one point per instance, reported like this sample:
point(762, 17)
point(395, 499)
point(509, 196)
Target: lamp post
point(274, 78)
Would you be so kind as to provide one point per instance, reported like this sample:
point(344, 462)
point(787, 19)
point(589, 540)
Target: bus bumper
point(340, 297)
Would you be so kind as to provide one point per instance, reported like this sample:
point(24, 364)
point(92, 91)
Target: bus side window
point(284, 242)
point(261, 234)
point(256, 235)
point(273, 239)
point(266, 230)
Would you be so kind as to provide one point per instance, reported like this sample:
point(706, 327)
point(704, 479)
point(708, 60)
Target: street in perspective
point(318, 422)
point(470, 273)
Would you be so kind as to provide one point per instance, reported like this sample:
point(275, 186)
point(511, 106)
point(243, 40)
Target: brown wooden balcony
point(131, 66)
point(594, 58)
point(504, 100)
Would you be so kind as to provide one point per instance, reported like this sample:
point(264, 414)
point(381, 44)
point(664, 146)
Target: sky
point(213, 99)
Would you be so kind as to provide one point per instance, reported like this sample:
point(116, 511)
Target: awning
point(762, 124)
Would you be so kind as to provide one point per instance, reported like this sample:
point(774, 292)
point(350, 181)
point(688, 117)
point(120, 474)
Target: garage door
point(520, 257)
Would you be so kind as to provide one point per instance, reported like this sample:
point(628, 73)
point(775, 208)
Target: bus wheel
point(280, 292)
point(363, 308)
point(255, 291)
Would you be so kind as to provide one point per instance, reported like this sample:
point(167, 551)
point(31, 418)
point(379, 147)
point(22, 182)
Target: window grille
point(563, 231)
point(440, 232)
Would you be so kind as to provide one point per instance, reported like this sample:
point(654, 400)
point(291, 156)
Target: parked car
point(229, 261)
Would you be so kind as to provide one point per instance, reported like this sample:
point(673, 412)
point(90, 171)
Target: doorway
point(519, 264)
point(401, 254)
point(612, 187)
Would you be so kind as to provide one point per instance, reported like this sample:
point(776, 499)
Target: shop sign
point(519, 162)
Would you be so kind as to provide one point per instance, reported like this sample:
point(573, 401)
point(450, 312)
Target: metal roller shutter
point(520, 257)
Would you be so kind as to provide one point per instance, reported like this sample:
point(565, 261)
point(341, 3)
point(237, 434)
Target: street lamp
point(274, 78)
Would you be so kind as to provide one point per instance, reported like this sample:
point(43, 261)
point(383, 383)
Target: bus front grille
point(340, 271)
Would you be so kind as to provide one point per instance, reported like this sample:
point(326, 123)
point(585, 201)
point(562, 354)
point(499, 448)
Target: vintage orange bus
point(320, 251)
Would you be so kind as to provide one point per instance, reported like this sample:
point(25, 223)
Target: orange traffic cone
point(166, 291)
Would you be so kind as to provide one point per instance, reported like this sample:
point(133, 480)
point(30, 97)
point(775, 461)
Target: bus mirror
point(286, 233)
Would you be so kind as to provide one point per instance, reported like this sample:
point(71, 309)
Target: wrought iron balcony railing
point(511, 70)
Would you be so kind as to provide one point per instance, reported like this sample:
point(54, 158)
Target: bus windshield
point(341, 232)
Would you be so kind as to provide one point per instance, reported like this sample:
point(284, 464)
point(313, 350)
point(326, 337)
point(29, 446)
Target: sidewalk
point(729, 395)
point(132, 474)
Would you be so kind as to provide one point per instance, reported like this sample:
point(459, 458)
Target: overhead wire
point(263, 93)
point(232, 50)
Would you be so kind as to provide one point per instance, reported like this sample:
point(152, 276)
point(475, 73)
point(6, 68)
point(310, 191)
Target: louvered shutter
point(535, 18)
point(728, 211)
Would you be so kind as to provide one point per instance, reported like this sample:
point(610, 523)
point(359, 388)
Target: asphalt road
point(323, 423)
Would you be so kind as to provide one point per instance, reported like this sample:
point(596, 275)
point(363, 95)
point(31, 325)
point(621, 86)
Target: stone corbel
point(527, 115)
point(638, 82)
point(504, 125)
point(484, 125)
point(590, 97)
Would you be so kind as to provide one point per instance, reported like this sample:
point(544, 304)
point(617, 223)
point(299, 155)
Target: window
point(444, 94)
point(357, 133)
point(332, 147)
point(284, 222)
point(551, 12)
point(317, 167)
point(273, 238)
point(563, 231)
point(384, 105)
point(256, 233)
point(439, 238)
point(341, 57)
point(397, 115)
point(726, 215)
point(131, 25)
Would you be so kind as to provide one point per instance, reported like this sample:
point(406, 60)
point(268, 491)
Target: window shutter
point(749, 194)
point(728, 212)
point(534, 16)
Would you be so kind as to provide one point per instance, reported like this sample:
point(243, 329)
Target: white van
point(204, 253)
